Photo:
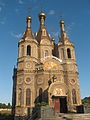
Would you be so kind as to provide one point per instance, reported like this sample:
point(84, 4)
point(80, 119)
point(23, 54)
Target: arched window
point(69, 53)
point(43, 32)
point(28, 97)
point(62, 52)
point(19, 96)
point(28, 50)
point(40, 95)
point(74, 96)
point(46, 53)
point(22, 50)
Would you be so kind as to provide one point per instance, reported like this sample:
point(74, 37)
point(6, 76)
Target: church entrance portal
point(60, 104)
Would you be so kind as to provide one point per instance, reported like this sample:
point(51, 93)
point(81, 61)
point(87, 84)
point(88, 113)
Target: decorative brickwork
point(37, 69)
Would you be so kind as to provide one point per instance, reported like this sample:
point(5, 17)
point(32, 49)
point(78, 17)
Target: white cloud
point(16, 10)
point(2, 22)
point(20, 1)
point(16, 35)
point(33, 0)
point(56, 34)
point(51, 12)
point(2, 4)
point(69, 28)
point(0, 9)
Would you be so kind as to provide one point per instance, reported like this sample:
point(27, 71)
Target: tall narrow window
point(28, 96)
point(62, 52)
point(74, 96)
point(40, 95)
point(19, 96)
point(43, 32)
point(22, 50)
point(69, 53)
point(28, 50)
point(46, 53)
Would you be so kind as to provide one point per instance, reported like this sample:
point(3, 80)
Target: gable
point(52, 64)
point(45, 42)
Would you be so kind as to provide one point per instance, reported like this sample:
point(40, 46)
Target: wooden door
point(57, 105)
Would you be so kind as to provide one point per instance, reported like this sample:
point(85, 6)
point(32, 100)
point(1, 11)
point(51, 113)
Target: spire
point(42, 17)
point(42, 33)
point(29, 20)
point(62, 26)
point(63, 35)
point(28, 32)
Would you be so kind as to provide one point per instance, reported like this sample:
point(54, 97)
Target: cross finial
point(53, 34)
point(54, 78)
point(28, 11)
point(41, 7)
point(61, 15)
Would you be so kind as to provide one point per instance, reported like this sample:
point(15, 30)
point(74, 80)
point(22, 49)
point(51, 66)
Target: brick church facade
point(46, 72)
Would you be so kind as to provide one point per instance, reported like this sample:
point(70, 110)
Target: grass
point(5, 112)
point(5, 115)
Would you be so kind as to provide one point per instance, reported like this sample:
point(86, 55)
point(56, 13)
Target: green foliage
point(4, 106)
point(42, 104)
point(6, 115)
point(86, 100)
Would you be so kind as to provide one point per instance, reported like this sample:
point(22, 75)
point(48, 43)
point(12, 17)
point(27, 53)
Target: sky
point(13, 13)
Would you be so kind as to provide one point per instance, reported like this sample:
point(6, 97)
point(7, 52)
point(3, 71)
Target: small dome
point(42, 14)
point(29, 18)
point(62, 21)
point(53, 39)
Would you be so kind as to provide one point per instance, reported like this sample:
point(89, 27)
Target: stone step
point(70, 117)
point(77, 116)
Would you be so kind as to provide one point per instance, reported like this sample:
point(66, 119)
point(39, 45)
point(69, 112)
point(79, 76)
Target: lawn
point(5, 115)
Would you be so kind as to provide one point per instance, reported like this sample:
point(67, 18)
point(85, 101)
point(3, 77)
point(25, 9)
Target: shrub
point(42, 104)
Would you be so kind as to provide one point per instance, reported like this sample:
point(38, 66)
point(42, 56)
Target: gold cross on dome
point(61, 15)
point(28, 11)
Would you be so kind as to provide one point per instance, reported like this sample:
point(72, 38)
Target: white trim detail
point(43, 59)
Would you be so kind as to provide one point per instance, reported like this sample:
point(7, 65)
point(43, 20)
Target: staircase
point(69, 117)
point(78, 116)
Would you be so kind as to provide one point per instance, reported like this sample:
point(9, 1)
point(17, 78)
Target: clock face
point(27, 65)
point(50, 65)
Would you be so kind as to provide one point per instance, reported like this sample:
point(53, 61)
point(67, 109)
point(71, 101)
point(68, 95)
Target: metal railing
point(33, 116)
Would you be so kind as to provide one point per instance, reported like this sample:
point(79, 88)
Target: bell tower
point(27, 47)
point(25, 81)
point(43, 37)
point(67, 54)
point(65, 47)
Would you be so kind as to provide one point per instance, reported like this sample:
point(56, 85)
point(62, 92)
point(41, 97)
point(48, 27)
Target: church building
point(46, 72)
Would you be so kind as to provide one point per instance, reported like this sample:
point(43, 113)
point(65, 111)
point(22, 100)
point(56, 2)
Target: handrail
point(32, 115)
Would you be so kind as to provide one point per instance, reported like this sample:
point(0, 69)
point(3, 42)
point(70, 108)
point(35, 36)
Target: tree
point(9, 106)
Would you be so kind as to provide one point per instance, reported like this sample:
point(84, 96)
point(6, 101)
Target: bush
point(4, 106)
point(86, 101)
point(42, 104)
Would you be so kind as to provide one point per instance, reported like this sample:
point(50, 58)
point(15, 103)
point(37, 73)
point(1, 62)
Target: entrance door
point(57, 105)
point(63, 105)
point(28, 111)
point(60, 104)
